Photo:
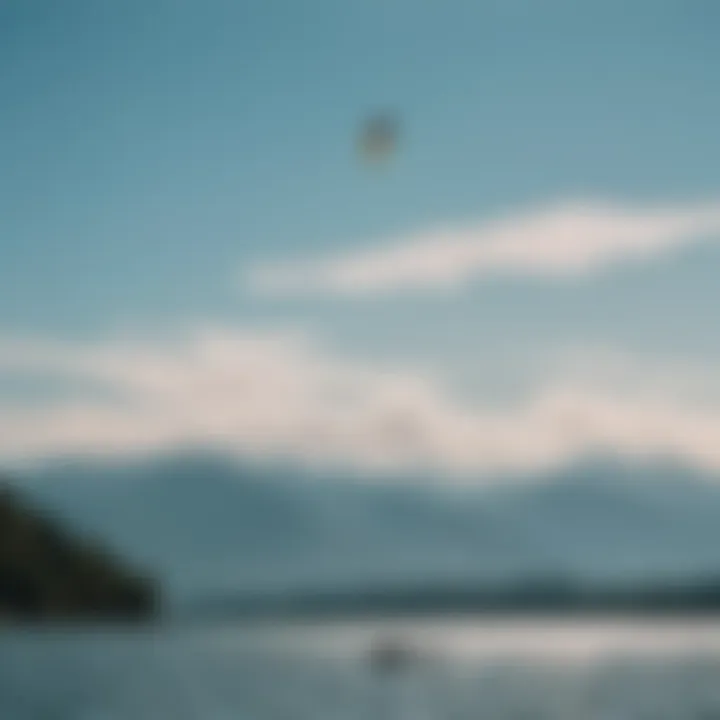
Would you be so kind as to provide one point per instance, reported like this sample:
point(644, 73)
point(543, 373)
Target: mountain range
point(208, 524)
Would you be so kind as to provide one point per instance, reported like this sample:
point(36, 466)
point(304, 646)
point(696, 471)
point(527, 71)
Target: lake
point(509, 669)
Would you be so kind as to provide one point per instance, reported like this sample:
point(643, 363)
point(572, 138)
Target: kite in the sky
point(378, 138)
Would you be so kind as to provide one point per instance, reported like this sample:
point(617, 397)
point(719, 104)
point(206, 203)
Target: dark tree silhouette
point(48, 574)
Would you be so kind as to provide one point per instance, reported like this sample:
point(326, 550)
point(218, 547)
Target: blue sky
point(154, 153)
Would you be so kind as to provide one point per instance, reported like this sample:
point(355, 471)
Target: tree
point(48, 574)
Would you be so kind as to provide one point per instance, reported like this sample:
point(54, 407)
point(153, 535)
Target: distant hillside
point(552, 596)
point(48, 574)
point(208, 525)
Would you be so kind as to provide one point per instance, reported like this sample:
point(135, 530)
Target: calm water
point(463, 670)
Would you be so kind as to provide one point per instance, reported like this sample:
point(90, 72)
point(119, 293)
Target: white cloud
point(279, 395)
point(568, 240)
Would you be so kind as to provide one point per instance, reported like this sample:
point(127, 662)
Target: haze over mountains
point(210, 525)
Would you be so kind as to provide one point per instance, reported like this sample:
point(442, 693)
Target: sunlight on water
point(563, 641)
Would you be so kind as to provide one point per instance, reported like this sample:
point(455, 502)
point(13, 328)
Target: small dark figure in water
point(390, 656)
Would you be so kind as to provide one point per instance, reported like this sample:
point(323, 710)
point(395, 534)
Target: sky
point(193, 254)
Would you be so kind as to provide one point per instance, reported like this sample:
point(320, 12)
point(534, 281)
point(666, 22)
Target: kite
point(378, 138)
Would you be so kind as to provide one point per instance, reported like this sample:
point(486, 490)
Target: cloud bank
point(269, 395)
point(568, 240)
